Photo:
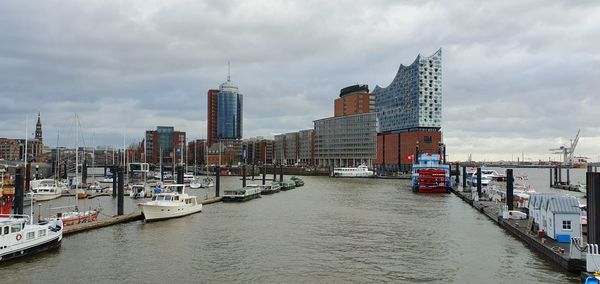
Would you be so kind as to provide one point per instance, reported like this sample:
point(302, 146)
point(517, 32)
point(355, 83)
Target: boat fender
point(19, 237)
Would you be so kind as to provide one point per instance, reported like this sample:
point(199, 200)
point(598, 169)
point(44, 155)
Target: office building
point(354, 100)
point(166, 143)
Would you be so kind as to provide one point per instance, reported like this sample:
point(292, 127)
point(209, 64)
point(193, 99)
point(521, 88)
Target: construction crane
point(567, 152)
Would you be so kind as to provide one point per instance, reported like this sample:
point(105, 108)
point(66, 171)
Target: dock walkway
point(547, 247)
point(130, 217)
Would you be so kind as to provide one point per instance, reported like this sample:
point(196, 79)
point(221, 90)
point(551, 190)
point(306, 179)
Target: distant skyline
point(517, 76)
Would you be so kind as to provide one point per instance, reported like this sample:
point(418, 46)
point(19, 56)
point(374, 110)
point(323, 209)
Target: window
point(42, 233)
point(427, 139)
point(14, 228)
point(30, 235)
point(567, 225)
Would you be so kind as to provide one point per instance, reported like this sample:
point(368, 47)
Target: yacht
point(47, 189)
point(139, 191)
point(486, 177)
point(170, 203)
point(20, 237)
point(360, 171)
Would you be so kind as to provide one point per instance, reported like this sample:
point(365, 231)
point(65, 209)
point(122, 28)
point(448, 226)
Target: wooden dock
point(133, 216)
point(549, 248)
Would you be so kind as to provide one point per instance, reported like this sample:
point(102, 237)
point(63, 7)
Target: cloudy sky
point(518, 76)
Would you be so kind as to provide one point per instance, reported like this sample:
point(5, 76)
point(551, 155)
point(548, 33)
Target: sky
point(519, 77)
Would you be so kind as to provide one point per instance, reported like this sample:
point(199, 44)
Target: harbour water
point(331, 230)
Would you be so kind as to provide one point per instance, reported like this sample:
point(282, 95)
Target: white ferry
point(251, 191)
point(170, 203)
point(18, 237)
point(360, 171)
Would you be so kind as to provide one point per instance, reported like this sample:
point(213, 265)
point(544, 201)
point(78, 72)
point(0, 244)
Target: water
point(331, 230)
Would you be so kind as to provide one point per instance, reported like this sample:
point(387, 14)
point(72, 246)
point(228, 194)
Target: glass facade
point(229, 112)
point(345, 140)
point(165, 138)
point(414, 98)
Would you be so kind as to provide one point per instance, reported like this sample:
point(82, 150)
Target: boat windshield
point(161, 198)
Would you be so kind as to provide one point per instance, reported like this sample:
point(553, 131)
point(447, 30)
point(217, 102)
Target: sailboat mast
point(76, 155)
point(26, 135)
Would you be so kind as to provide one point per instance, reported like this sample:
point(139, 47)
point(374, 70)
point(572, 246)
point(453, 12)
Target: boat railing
point(19, 216)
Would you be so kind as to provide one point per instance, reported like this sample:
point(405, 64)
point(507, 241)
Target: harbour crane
point(567, 152)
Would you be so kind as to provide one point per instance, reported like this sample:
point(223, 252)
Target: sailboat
point(75, 216)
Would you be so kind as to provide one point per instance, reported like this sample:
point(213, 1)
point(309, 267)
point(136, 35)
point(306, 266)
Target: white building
point(561, 215)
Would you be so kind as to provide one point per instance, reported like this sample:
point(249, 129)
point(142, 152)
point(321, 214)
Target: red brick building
point(354, 100)
point(395, 152)
point(212, 117)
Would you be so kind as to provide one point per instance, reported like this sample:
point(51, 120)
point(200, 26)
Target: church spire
point(38, 129)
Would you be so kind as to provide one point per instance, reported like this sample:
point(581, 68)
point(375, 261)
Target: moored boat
point(360, 171)
point(242, 194)
point(19, 237)
point(430, 176)
point(287, 185)
point(271, 188)
point(297, 181)
point(47, 189)
point(172, 202)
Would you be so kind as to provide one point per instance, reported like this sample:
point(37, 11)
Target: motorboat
point(360, 171)
point(271, 188)
point(297, 180)
point(172, 202)
point(196, 183)
point(208, 182)
point(251, 191)
point(47, 189)
point(487, 176)
point(74, 217)
point(20, 237)
point(139, 191)
point(188, 177)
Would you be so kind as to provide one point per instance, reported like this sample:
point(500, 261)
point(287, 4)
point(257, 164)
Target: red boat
point(429, 176)
point(7, 198)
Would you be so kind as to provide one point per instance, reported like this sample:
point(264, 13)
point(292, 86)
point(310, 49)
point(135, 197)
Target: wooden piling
point(478, 181)
point(509, 189)
point(593, 207)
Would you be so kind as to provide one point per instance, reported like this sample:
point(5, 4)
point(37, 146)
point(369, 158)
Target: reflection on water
point(331, 230)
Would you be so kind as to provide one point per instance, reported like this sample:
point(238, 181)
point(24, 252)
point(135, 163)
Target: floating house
point(535, 204)
point(561, 218)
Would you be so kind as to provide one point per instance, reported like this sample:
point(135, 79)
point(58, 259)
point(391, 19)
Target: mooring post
point(555, 175)
point(217, 181)
point(84, 172)
point(18, 202)
point(120, 192)
point(593, 207)
point(65, 175)
point(464, 177)
point(457, 173)
point(568, 176)
point(274, 172)
point(252, 171)
point(509, 189)
point(550, 177)
point(115, 178)
point(264, 174)
point(559, 174)
point(281, 173)
point(478, 181)
point(179, 174)
point(27, 177)
point(243, 175)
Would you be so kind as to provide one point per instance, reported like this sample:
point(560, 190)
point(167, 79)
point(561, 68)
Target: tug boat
point(19, 237)
point(430, 176)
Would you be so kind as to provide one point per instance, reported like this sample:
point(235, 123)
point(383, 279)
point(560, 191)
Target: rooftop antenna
point(228, 71)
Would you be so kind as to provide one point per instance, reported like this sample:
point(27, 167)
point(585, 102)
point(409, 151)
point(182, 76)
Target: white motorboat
point(19, 237)
point(486, 177)
point(47, 189)
point(208, 182)
point(360, 171)
point(139, 191)
point(195, 184)
point(172, 202)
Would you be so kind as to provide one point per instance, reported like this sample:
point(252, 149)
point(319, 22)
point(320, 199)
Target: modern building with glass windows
point(414, 98)
point(229, 111)
point(346, 141)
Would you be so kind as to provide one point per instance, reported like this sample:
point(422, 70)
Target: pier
point(550, 249)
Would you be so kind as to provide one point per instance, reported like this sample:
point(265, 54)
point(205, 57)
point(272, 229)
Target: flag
point(409, 157)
